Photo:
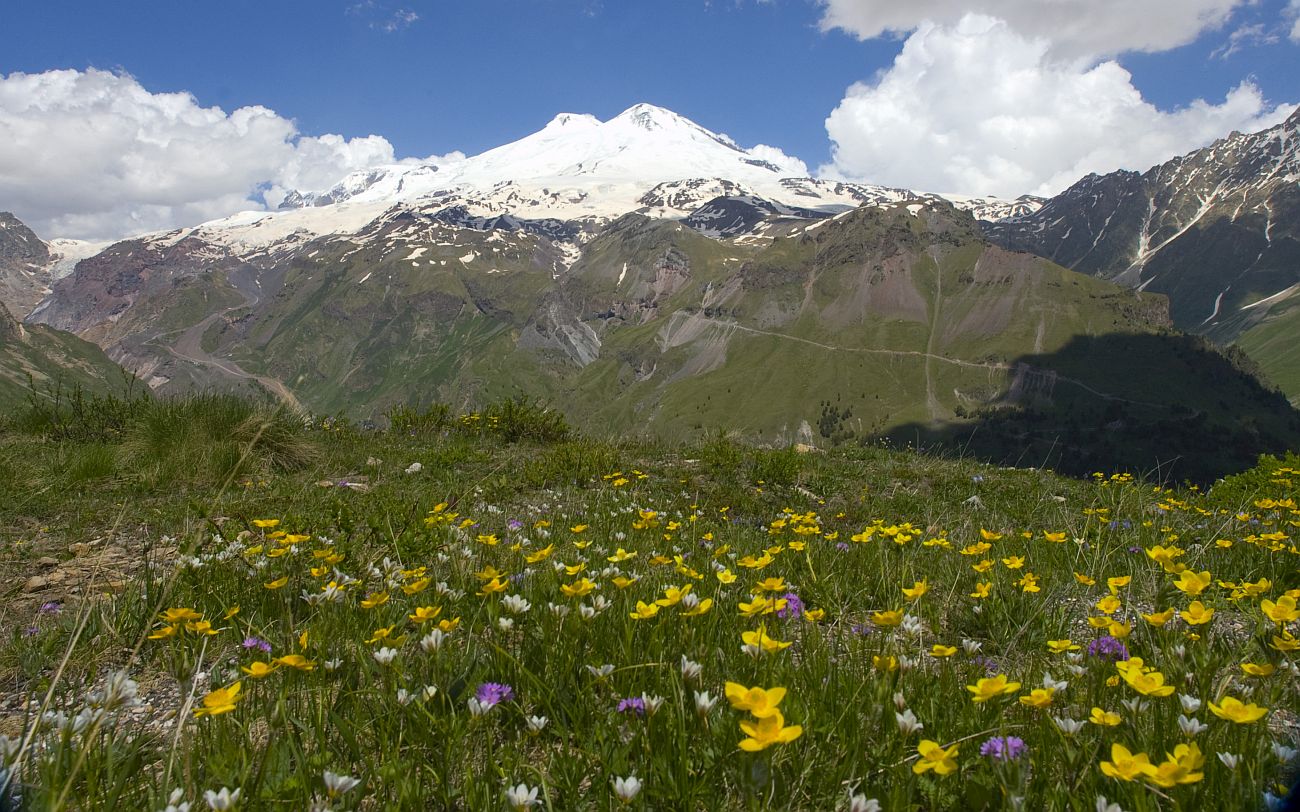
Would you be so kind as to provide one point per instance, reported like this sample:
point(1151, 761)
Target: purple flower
point(50, 608)
point(989, 664)
point(842, 547)
point(257, 643)
point(31, 631)
point(514, 524)
point(1108, 648)
point(494, 693)
point(793, 606)
point(634, 704)
point(1003, 748)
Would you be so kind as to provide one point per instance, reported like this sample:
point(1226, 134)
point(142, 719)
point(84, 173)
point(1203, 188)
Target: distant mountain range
point(649, 276)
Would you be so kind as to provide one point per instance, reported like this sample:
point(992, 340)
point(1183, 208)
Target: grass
point(370, 579)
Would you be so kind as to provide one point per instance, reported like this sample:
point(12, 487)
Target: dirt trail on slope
point(189, 347)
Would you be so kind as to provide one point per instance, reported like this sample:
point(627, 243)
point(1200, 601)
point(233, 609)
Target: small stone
point(34, 583)
point(47, 561)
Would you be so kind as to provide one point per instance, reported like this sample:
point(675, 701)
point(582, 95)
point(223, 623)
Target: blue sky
point(999, 97)
point(472, 75)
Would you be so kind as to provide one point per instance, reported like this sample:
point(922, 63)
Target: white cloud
point(1074, 27)
point(93, 154)
point(1293, 11)
point(978, 108)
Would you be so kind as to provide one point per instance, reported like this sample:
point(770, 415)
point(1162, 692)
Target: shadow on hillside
point(1170, 406)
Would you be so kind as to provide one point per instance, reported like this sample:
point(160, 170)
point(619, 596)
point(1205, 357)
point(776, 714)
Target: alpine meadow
point(946, 457)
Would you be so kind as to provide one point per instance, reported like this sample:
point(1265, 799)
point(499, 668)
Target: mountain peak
point(572, 121)
point(649, 116)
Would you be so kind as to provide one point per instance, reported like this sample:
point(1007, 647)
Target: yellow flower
point(982, 590)
point(1038, 698)
point(1118, 630)
point(622, 581)
point(987, 688)
point(1084, 579)
point(884, 662)
point(489, 573)
point(1114, 584)
point(294, 661)
point(220, 701)
point(989, 535)
point(1109, 605)
point(1144, 680)
point(200, 627)
point(416, 586)
point(645, 611)
point(181, 615)
point(939, 650)
point(814, 615)
point(1029, 583)
point(492, 587)
point(887, 619)
point(760, 639)
point(277, 583)
point(1014, 562)
point(1159, 619)
point(167, 631)
point(767, 731)
point(578, 588)
point(231, 612)
point(918, 589)
point(1126, 766)
point(1286, 642)
point(935, 757)
point(1234, 710)
point(761, 702)
point(762, 606)
point(620, 556)
point(265, 524)
point(1062, 646)
point(1196, 614)
point(1179, 767)
point(258, 669)
point(983, 566)
point(1054, 537)
point(673, 595)
point(1258, 669)
point(726, 576)
point(374, 599)
point(1104, 718)
point(423, 614)
point(1193, 583)
point(1283, 610)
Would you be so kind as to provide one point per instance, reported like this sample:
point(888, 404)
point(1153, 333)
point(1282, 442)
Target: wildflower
point(690, 670)
point(1190, 726)
point(767, 731)
point(694, 607)
point(939, 650)
point(917, 590)
point(761, 641)
point(625, 789)
point(1144, 680)
point(1108, 648)
point(1067, 725)
point(1179, 767)
point(1234, 710)
point(1061, 646)
point(423, 614)
point(225, 799)
point(521, 798)
point(1038, 698)
point(1190, 703)
point(793, 606)
point(536, 724)
point(385, 655)
point(337, 784)
point(1196, 614)
point(577, 589)
point(493, 693)
point(908, 723)
point(219, 701)
point(861, 803)
point(600, 672)
point(704, 702)
point(374, 599)
point(633, 705)
point(884, 662)
point(935, 757)
point(758, 701)
point(1159, 619)
point(1125, 765)
point(515, 604)
point(294, 661)
point(982, 590)
point(180, 615)
point(258, 669)
point(987, 688)
point(1258, 669)
point(1104, 718)
point(644, 611)
point(1281, 611)
point(1003, 748)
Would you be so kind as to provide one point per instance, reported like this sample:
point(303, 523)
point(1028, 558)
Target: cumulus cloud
point(1074, 28)
point(978, 107)
point(1293, 11)
point(93, 154)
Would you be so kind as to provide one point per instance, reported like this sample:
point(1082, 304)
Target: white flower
point(515, 604)
point(1190, 703)
point(334, 664)
point(477, 708)
point(912, 626)
point(690, 601)
point(1284, 753)
point(906, 663)
point(522, 797)
point(336, 783)
point(627, 788)
point(432, 641)
point(558, 609)
point(505, 624)
point(908, 723)
point(1106, 806)
point(1135, 705)
point(900, 701)
point(586, 612)
point(1229, 760)
point(414, 468)
point(690, 670)
point(1067, 725)
point(1052, 684)
point(971, 647)
point(600, 603)
point(536, 724)
point(752, 650)
point(429, 692)
point(1076, 670)
point(174, 802)
point(119, 691)
point(1191, 727)
point(600, 672)
point(861, 803)
point(385, 655)
point(652, 703)
point(704, 702)
point(404, 696)
point(225, 799)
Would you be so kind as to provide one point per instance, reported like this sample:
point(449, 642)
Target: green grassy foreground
point(463, 605)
